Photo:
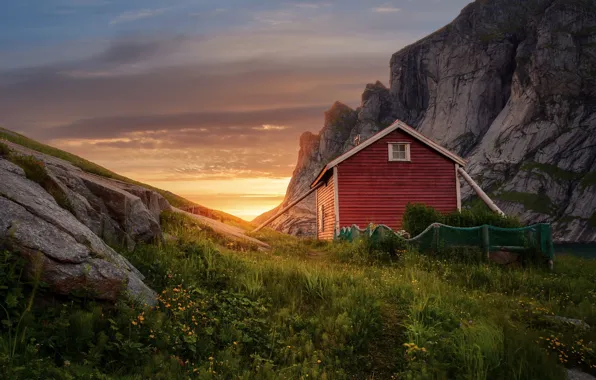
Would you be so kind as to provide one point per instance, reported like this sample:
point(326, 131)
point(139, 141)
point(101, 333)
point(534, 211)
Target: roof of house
point(393, 127)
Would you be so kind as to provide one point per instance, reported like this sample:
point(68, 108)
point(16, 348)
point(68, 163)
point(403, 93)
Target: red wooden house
point(374, 181)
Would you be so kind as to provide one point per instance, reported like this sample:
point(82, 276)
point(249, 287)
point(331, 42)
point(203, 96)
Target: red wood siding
point(325, 197)
point(373, 189)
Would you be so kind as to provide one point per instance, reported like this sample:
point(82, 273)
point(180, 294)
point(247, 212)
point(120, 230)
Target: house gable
point(398, 125)
point(374, 189)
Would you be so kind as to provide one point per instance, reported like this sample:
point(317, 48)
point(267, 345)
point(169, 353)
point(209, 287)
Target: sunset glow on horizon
point(204, 99)
point(258, 195)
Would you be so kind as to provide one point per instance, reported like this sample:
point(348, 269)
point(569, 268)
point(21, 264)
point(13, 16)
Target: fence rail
point(537, 237)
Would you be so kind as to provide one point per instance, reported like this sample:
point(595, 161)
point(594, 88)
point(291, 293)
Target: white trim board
point(317, 212)
point(408, 152)
point(336, 199)
point(457, 187)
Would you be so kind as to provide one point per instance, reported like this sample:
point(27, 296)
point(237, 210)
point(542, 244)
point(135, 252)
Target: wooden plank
point(309, 192)
point(481, 193)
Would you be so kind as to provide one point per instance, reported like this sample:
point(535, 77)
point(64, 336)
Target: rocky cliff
point(59, 218)
point(509, 85)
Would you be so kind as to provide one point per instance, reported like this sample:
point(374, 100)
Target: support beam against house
point(480, 192)
point(309, 192)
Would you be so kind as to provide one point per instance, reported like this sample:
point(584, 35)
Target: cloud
point(128, 50)
point(222, 95)
point(386, 9)
point(269, 127)
point(219, 123)
point(113, 85)
point(311, 5)
point(136, 15)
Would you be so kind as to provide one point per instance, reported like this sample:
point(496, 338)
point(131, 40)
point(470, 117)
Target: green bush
point(36, 171)
point(418, 217)
point(460, 254)
point(4, 150)
point(371, 250)
point(224, 314)
point(389, 246)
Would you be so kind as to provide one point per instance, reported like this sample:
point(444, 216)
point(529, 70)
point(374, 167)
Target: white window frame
point(321, 218)
point(390, 151)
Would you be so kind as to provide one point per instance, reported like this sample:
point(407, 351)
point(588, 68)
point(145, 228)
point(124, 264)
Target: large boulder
point(59, 248)
point(120, 213)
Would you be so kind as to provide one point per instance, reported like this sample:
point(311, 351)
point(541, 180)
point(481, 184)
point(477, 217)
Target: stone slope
point(66, 243)
point(67, 254)
point(509, 85)
point(120, 213)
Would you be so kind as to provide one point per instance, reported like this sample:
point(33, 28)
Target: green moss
point(35, 170)
point(567, 219)
point(536, 202)
point(592, 220)
point(553, 171)
point(4, 150)
point(491, 37)
point(588, 180)
point(585, 32)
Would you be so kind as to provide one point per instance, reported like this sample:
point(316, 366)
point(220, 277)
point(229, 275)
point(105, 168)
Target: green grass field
point(307, 309)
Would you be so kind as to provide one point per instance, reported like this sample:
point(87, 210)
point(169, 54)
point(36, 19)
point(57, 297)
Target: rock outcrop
point(120, 213)
point(509, 85)
point(65, 247)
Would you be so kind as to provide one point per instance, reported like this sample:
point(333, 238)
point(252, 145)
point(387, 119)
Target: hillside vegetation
point(307, 309)
point(90, 167)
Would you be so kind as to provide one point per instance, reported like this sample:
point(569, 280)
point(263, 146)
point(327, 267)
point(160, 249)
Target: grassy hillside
point(90, 167)
point(306, 310)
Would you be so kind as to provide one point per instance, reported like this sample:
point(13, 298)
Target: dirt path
point(232, 232)
point(385, 349)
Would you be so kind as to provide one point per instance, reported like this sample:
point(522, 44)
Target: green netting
point(535, 238)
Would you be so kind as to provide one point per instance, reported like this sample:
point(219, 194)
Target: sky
point(203, 98)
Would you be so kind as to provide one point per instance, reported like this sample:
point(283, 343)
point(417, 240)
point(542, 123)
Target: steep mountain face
point(509, 85)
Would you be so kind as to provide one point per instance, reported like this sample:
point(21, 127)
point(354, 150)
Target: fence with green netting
point(525, 240)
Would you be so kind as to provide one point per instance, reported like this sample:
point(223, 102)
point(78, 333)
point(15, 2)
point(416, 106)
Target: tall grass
point(305, 310)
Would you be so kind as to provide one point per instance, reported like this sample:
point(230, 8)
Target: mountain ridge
point(509, 86)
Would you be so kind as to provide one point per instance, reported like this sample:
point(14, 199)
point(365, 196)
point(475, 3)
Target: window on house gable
point(399, 152)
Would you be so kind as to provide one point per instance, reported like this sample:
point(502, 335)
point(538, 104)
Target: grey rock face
point(509, 85)
point(315, 152)
point(67, 254)
point(574, 374)
point(576, 323)
point(118, 212)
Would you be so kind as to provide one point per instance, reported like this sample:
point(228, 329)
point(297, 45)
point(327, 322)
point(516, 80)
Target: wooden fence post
point(486, 240)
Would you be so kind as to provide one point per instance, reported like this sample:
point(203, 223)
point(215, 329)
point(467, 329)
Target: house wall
point(372, 189)
point(325, 197)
